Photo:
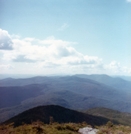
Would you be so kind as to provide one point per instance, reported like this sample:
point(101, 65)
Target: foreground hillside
point(63, 128)
point(54, 119)
point(41, 128)
point(53, 113)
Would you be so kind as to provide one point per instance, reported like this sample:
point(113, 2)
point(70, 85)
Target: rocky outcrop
point(87, 130)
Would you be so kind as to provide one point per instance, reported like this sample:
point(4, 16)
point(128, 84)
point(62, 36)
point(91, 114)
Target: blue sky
point(65, 37)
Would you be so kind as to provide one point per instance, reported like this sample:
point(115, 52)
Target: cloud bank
point(49, 56)
point(5, 40)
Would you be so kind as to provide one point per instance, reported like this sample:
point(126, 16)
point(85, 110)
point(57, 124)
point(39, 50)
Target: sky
point(52, 37)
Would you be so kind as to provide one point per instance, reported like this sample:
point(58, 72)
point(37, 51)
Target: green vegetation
point(110, 128)
point(41, 128)
point(61, 128)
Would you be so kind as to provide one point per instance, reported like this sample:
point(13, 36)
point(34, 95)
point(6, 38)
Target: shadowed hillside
point(52, 113)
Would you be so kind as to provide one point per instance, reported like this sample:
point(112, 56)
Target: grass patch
point(41, 128)
point(62, 128)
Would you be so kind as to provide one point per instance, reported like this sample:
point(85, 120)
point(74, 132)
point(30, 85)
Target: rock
point(87, 130)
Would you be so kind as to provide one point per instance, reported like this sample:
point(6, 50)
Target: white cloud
point(49, 49)
point(114, 66)
point(126, 70)
point(5, 67)
point(63, 27)
point(48, 53)
point(52, 56)
point(22, 58)
point(5, 40)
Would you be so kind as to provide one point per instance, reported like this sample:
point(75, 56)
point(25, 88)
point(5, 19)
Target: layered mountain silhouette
point(78, 92)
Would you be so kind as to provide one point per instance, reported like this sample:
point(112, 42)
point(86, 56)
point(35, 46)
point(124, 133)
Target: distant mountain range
point(116, 82)
point(78, 92)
